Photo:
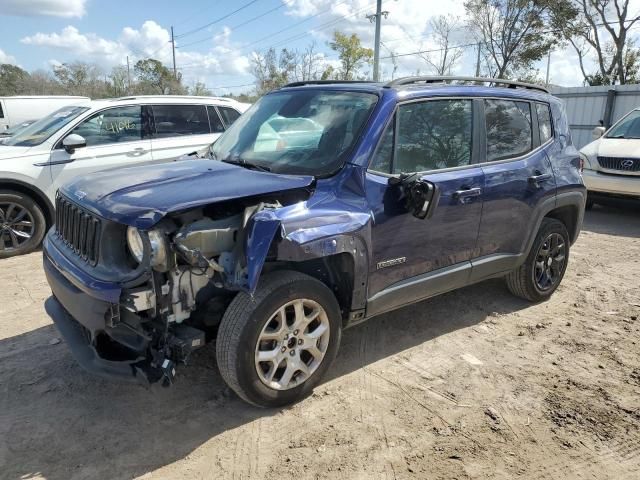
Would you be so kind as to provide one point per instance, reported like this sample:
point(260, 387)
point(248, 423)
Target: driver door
point(414, 258)
point(115, 138)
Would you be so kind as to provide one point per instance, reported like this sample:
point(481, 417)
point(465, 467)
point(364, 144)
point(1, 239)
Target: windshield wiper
point(244, 163)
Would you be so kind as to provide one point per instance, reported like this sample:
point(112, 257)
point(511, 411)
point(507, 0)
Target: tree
point(200, 89)
point(79, 78)
point(154, 78)
point(352, 55)
point(272, 70)
point(443, 61)
point(600, 27)
point(119, 81)
point(12, 79)
point(514, 33)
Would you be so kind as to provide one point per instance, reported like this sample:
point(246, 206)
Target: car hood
point(613, 147)
point(7, 152)
point(142, 196)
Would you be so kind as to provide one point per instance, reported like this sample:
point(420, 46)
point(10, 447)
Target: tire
point(590, 203)
point(529, 281)
point(25, 219)
point(249, 319)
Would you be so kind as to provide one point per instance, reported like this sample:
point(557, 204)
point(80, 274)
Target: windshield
point(628, 127)
point(297, 132)
point(45, 127)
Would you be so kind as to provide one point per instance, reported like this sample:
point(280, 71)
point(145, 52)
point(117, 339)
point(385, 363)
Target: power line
point(293, 26)
point(235, 27)
point(217, 20)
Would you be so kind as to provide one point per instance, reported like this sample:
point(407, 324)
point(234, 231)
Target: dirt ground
point(472, 384)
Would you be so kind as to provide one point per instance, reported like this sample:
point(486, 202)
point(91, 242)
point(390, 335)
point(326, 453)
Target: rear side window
point(229, 115)
point(214, 120)
point(180, 120)
point(509, 132)
point(544, 122)
point(114, 125)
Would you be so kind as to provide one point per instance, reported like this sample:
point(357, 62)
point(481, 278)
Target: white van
point(101, 135)
point(15, 110)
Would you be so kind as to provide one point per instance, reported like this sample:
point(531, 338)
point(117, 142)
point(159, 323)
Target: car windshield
point(628, 127)
point(297, 132)
point(42, 129)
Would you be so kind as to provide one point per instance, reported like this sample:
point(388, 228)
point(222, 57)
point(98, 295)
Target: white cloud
point(52, 8)
point(150, 40)
point(6, 58)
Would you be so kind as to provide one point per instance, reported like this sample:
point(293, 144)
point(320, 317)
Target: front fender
point(300, 233)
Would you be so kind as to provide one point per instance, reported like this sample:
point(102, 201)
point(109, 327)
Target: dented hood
point(142, 196)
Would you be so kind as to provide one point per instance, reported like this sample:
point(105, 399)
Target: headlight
point(585, 161)
point(158, 246)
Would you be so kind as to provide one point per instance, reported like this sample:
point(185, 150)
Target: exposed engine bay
point(197, 262)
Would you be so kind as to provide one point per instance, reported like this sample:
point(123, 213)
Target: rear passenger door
point(518, 178)
point(183, 129)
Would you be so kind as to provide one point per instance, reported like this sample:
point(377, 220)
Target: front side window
point(384, 154)
point(305, 132)
point(114, 125)
point(1, 112)
point(628, 127)
point(508, 129)
point(433, 135)
point(229, 115)
point(41, 130)
point(544, 122)
point(180, 120)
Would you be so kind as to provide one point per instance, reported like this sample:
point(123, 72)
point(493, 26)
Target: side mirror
point(73, 142)
point(597, 132)
point(420, 196)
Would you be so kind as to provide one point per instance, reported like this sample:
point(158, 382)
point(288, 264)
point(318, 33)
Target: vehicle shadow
point(619, 217)
point(58, 422)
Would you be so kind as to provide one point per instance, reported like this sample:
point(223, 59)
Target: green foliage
point(514, 33)
point(353, 56)
point(11, 79)
point(154, 78)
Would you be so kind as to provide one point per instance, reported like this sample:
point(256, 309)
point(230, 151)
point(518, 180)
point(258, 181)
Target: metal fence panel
point(586, 106)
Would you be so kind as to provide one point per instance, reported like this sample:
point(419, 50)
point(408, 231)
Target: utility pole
point(128, 77)
point(548, 66)
point(173, 51)
point(377, 19)
point(478, 60)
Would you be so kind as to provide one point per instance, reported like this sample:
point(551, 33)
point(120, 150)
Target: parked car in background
point(100, 135)
point(16, 110)
point(374, 197)
point(10, 132)
point(612, 161)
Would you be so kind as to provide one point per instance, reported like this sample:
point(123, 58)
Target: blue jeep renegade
point(325, 204)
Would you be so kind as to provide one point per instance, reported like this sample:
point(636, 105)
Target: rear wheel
point(275, 346)
point(22, 224)
point(541, 273)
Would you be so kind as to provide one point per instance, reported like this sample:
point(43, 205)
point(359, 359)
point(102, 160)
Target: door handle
point(538, 179)
point(462, 194)
point(55, 162)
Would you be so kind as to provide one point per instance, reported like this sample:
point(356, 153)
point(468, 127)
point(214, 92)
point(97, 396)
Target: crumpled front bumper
point(80, 317)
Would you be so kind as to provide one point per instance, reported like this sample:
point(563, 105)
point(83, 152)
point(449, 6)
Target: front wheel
point(274, 347)
point(541, 273)
point(22, 224)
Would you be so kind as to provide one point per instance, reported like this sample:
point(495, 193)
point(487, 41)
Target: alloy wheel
point(292, 344)
point(550, 261)
point(16, 226)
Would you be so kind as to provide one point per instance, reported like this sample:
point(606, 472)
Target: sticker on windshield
point(62, 114)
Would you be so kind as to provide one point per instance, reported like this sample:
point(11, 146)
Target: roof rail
point(492, 81)
point(149, 97)
point(322, 82)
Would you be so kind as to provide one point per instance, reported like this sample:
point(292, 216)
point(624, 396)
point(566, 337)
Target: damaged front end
point(179, 278)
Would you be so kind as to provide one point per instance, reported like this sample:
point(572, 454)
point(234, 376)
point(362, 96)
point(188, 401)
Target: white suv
point(101, 135)
point(612, 162)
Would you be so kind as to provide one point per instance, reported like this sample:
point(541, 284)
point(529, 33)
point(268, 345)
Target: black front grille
point(79, 229)
point(618, 163)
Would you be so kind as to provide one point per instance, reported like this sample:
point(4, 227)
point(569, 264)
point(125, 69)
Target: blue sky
point(39, 33)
